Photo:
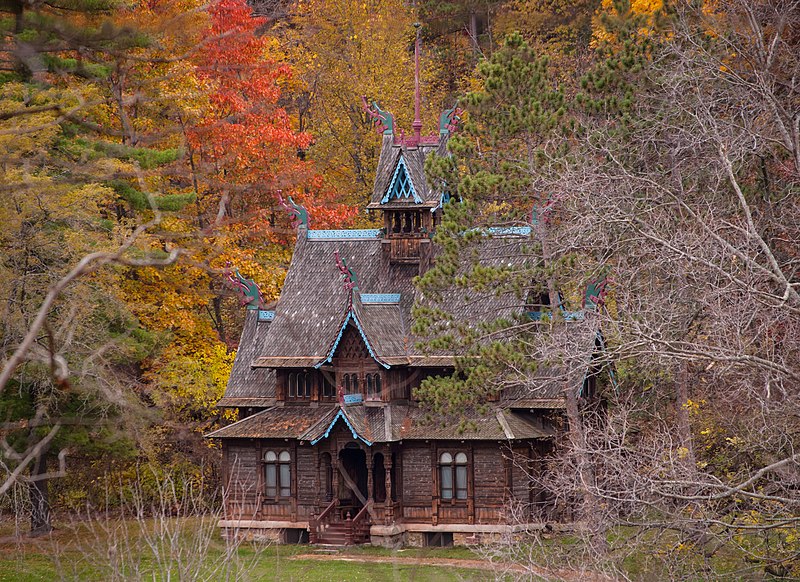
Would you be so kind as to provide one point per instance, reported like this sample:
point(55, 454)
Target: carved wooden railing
point(358, 526)
point(315, 523)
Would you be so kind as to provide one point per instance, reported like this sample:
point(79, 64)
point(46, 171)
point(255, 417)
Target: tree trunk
point(41, 522)
point(684, 424)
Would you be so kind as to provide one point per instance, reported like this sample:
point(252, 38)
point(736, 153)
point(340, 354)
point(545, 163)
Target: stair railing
point(355, 526)
point(315, 523)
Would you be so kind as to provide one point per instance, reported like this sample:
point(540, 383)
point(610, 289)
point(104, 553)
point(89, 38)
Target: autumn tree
point(341, 52)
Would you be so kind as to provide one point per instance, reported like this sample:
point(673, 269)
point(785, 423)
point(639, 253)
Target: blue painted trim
point(366, 342)
point(567, 315)
point(509, 230)
point(264, 315)
point(352, 398)
point(360, 329)
point(363, 233)
point(380, 298)
point(390, 189)
point(341, 415)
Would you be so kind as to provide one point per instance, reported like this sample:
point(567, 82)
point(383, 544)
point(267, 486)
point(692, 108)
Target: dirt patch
point(499, 569)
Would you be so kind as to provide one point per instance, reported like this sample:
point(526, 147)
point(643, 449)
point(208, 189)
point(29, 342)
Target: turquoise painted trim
point(509, 230)
point(366, 341)
point(341, 415)
point(390, 190)
point(360, 329)
point(567, 315)
point(363, 233)
point(380, 298)
point(264, 315)
point(352, 399)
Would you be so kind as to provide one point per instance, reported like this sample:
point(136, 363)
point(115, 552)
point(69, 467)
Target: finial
point(417, 125)
point(298, 213)
point(350, 281)
point(249, 293)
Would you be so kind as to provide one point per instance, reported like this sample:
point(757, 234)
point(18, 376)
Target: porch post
point(387, 469)
point(335, 468)
point(370, 484)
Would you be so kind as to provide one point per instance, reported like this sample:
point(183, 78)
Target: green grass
point(76, 552)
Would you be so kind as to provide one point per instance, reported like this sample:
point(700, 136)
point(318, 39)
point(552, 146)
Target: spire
point(417, 125)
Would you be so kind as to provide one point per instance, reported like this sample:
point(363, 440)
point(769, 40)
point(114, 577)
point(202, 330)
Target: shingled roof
point(248, 386)
point(389, 423)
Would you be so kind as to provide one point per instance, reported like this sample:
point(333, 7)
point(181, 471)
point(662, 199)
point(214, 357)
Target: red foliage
point(246, 143)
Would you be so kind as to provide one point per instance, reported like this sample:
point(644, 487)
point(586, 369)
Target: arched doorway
point(352, 478)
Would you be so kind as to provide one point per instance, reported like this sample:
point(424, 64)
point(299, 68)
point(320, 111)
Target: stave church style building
point(331, 446)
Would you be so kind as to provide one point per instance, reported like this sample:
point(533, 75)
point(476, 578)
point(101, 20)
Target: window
point(350, 382)
point(328, 389)
point(453, 476)
point(373, 382)
point(300, 384)
point(277, 474)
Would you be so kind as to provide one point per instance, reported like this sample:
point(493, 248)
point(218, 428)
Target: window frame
point(278, 465)
point(456, 468)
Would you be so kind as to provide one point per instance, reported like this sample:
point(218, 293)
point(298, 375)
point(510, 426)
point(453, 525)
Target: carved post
point(335, 467)
point(369, 480)
point(312, 526)
point(348, 522)
point(387, 465)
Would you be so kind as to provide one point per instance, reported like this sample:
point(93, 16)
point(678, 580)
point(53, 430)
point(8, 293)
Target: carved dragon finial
point(350, 280)
point(541, 212)
point(383, 120)
point(249, 293)
point(298, 213)
point(596, 291)
point(449, 120)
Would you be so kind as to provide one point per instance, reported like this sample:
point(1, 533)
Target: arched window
point(373, 385)
point(277, 474)
point(328, 389)
point(309, 380)
point(292, 385)
point(461, 476)
point(453, 476)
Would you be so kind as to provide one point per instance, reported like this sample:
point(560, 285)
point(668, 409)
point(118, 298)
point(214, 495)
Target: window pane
point(286, 480)
point(369, 384)
point(270, 480)
point(446, 481)
point(446, 458)
point(377, 383)
point(461, 482)
point(461, 459)
point(292, 385)
point(270, 456)
point(284, 458)
point(355, 383)
point(347, 383)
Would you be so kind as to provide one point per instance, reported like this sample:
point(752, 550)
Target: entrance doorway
point(352, 479)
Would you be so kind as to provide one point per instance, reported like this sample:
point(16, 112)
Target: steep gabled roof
point(414, 161)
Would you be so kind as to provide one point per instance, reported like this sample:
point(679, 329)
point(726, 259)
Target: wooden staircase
point(330, 530)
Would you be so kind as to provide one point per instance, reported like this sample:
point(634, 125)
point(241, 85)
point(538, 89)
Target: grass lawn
point(80, 552)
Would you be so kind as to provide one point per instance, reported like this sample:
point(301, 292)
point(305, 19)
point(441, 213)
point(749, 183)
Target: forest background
point(145, 144)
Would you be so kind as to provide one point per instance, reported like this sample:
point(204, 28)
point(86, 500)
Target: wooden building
point(331, 446)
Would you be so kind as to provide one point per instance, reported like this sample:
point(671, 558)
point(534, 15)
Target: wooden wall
point(498, 474)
